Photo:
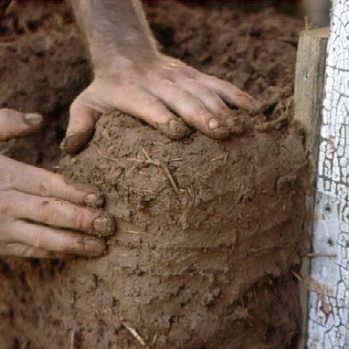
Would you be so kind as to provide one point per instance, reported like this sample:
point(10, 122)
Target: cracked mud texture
point(210, 232)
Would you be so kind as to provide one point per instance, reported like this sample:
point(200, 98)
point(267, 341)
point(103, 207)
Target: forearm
point(116, 31)
point(133, 77)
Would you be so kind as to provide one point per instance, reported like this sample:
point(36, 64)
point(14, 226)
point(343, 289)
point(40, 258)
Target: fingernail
point(91, 200)
point(94, 246)
point(70, 144)
point(217, 130)
point(174, 125)
point(176, 129)
point(214, 124)
point(104, 225)
point(33, 119)
point(75, 142)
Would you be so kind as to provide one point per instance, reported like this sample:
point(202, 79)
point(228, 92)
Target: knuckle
point(80, 220)
point(77, 102)
point(43, 210)
point(181, 96)
point(45, 186)
point(7, 177)
point(69, 244)
point(8, 204)
point(223, 111)
point(202, 113)
point(151, 103)
point(4, 207)
point(191, 73)
point(156, 74)
point(37, 239)
point(201, 90)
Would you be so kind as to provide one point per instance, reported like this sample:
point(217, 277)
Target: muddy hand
point(16, 124)
point(165, 93)
point(41, 215)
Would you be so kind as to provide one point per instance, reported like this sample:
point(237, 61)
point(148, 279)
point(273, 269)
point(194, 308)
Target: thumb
point(15, 124)
point(83, 117)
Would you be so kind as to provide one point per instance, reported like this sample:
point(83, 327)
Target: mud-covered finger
point(83, 116)
point(15, 124)
point(191, 109)
point(208, 97)
point(62, 214)
point(230, 93)
point(55, 240)
point(152, 110)
point(37, 181)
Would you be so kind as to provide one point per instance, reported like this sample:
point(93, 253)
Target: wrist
point(121, 62)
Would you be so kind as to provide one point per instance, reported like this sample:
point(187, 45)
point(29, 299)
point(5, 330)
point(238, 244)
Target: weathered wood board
point(309, 90)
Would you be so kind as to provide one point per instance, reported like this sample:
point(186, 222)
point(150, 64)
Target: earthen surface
point(210, 232)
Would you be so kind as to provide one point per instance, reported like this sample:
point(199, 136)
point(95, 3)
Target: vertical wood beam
point(309, 90)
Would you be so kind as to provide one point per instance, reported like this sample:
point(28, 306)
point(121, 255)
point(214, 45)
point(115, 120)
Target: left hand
point(164, 92)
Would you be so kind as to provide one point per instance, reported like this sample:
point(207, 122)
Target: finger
point(14, 124)
point(37, 181)
point(55, 240)
point(213, 103)
point(149, 108)
point(207, 97)
point(61, 214)
point(191, 109)
point(21, 250)
point(82, 120)
point(230, 93)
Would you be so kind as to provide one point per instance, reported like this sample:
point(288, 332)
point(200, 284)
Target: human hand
point(15, 124)
point(41, 214)
point(165, 93)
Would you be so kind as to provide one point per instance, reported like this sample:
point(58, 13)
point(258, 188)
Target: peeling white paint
point(328, 305)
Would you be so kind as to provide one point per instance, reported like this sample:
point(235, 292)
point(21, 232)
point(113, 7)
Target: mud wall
point(210, 233)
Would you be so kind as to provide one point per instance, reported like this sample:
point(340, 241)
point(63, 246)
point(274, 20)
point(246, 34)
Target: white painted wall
point(328, 319)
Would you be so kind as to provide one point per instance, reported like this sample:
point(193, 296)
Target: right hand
point(41, 214)
point(164, 92)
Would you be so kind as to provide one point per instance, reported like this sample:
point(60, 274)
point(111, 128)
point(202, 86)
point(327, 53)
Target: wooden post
point(309, 88)
point(328, 303)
